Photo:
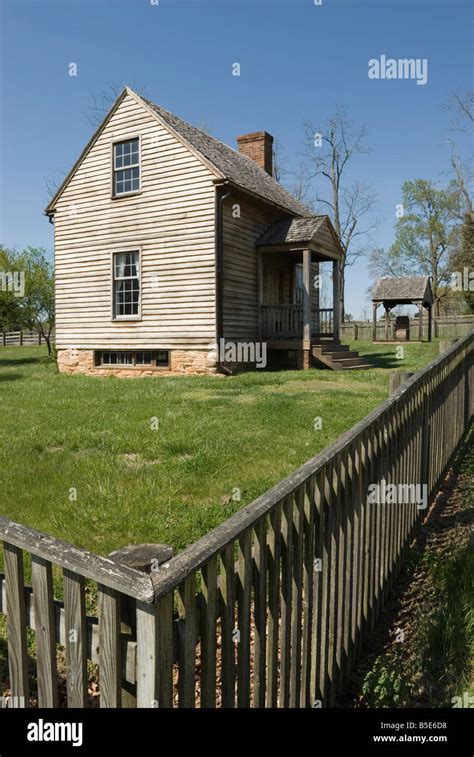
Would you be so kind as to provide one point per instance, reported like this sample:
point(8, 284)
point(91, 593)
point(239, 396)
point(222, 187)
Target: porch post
point(430, 317)
point(259, 293)
point(306, 307)
point(420, 323)
point(336, 316)
point(374, 321)
point(387, 310)
point(315, 297)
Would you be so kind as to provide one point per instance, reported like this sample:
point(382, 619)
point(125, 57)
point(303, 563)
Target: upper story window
point(126, 167)
point(127, 284)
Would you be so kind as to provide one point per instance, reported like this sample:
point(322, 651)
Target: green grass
point(216, 435)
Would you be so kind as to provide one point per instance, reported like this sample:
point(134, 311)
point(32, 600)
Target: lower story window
point(139, 358)
point(143, 358)
point(162, 357)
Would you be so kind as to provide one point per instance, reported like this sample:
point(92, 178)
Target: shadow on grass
point(8, 363)
point(381, 360)
point(10, 376)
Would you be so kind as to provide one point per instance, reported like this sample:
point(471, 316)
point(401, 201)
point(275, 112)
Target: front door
point(274, 287)
point(298, 291)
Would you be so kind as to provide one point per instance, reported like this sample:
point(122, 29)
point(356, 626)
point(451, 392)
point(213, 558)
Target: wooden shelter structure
point(404, 290)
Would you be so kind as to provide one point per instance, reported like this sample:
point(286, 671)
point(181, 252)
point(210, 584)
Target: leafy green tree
point(34, 308)
point(425, 236)
point(462, 259)
point(39, 292)
point(11, 311)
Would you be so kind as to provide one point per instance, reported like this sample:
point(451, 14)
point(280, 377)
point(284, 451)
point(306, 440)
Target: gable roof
point(292, 230)
point(228, 164)
point(403, 288)
point(235, 167)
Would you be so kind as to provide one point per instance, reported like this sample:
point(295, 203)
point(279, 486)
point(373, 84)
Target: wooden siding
point(171, 221)
point(240, 263)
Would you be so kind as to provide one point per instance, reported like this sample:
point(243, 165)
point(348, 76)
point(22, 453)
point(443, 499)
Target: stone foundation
point(182, 362)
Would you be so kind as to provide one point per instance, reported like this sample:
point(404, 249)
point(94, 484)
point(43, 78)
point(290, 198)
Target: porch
point(289, 256)
point(283, 322)
point(294, 312)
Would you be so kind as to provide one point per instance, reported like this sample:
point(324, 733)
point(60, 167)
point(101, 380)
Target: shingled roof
point(230, 164)
point(403, 289)
point(293, 230)
point(236, 167)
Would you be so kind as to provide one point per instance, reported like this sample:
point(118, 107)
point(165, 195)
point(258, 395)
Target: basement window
point(126, 167)
point(132, 358)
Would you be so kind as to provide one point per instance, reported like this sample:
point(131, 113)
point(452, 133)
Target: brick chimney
point(259, 147)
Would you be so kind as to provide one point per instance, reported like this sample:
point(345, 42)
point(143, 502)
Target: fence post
point(425, 441)
point(4, 338)
point(21, 337)
point(467, 396)
point(39, 338)
point(445, 344)
point(143, 557)
point(397, 379)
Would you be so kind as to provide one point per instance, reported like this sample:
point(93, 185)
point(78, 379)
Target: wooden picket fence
point(269, 609)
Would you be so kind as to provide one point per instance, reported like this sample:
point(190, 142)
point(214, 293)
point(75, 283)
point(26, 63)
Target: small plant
point(383, 686)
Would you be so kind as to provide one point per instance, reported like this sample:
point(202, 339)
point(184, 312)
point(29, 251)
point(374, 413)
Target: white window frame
point(128, 138)
point(129, 249)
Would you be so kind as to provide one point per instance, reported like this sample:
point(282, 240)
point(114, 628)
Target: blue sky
point(298, 61)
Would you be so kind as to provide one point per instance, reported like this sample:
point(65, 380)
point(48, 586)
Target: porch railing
point(286, 321)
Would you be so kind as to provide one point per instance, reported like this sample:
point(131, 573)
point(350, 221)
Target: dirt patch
point(134, 460)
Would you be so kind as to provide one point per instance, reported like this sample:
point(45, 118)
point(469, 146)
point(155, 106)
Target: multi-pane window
point(143, 358)
point(126, 167)
point(162, 357)
point(116, 358)
point(140, 358)
point(126, 284)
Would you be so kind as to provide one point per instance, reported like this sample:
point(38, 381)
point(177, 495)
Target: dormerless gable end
point(222, 161)
point(126, 91)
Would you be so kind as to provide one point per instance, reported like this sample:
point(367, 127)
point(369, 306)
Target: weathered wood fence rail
point(272, 607)
point(22, 338)
point(443, 326)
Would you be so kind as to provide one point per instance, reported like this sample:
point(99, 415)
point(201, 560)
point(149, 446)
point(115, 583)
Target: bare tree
point(461, 108)
point(101, 102)
point(329, 150)
point(204, 126)
point(52, 185)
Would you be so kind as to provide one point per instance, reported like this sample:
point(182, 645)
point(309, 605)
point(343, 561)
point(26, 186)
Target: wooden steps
point(338, 357)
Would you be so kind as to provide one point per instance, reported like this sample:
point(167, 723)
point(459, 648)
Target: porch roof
point(312, 232)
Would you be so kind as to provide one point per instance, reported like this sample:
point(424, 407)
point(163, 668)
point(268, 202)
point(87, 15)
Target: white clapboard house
point(173, 251)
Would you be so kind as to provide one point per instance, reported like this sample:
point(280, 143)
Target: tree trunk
point(342, 287)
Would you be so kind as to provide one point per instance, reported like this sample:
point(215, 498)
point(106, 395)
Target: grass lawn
point(81, 457)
